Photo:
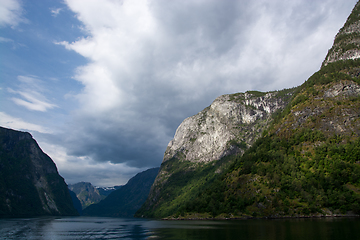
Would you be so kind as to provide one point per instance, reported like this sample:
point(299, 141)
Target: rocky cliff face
point(228, 126)
point(347, 42)
point(30, 184)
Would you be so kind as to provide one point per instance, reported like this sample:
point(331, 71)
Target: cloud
point(19, 124)
point(55, 12)
point(14, 44)
point(154, 63)
point(4, 40)
point(31, 91)
point(10, 13)
point(31, 102)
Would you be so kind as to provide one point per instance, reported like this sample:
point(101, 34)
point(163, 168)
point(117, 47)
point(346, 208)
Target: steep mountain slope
point(192, 159)
point(76, 202)
point(125, 201)
point(30, 184)
point(347, 42)
point(303, 158)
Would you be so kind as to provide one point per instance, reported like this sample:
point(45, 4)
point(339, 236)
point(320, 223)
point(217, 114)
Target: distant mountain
point(288, 153)
point(30, 184)
point(86, 193)
point(125, 201)
point(89, 194)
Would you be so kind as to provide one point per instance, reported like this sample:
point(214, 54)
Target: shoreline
point(269, 217)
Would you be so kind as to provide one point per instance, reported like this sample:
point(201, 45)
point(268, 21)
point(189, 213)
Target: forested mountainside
point(293, 152)
point(125, 201)
point(30, 184)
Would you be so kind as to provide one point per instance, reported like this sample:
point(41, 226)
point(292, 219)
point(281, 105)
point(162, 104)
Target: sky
point(102, 85)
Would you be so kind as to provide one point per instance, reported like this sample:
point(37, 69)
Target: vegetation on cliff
point(302, 175)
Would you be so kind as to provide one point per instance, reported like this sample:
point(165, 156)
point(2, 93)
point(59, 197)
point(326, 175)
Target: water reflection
point(284, 229)
point(118, 228)
point(73, 228)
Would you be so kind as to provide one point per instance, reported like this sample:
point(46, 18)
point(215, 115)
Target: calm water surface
point(119, 228)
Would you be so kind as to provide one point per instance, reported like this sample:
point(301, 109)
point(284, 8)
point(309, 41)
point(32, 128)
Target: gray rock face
point(345, 88)
point(229, 125)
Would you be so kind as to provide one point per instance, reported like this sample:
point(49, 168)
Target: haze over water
point(120, 228)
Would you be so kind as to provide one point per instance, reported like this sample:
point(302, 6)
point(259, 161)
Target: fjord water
point(119, 228)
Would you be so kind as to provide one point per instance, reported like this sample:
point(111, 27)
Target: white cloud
point(31, 91)
point(19, 124)
point(10, 13)
point(32, 103)
point(55, 12)
point(2, 39)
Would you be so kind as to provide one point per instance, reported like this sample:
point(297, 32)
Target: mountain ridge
point(346, 43)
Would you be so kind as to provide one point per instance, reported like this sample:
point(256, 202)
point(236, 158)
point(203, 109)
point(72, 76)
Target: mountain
point(125, 201)
point(30, 184)
point(292, 153)
point(86, 193)
point(203, 143)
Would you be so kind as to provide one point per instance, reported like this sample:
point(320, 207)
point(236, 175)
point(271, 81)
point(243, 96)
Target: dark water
point(119, 228)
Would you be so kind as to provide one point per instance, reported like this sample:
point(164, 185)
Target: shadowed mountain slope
point(124, 202)
point(30, 184)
